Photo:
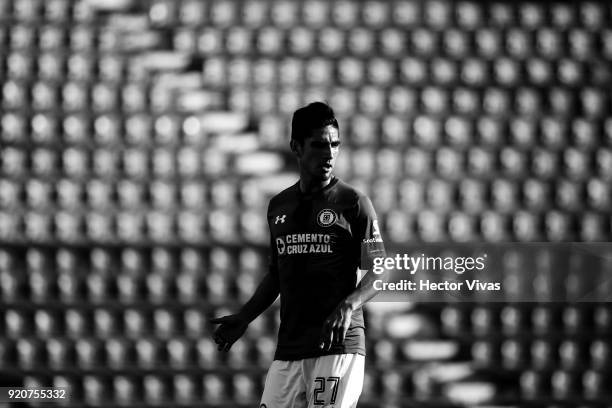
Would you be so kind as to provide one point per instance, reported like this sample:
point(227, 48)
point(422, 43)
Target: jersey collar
point(317, 193)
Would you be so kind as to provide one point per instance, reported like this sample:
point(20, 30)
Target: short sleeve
point(367, 232)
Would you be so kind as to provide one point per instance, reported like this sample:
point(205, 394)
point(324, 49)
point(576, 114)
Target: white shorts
point(328, 381)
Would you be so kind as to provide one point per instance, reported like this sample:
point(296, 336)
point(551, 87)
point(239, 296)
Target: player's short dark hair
point(315, 115)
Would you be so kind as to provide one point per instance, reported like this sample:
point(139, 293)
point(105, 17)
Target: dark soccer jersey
point(318, 241)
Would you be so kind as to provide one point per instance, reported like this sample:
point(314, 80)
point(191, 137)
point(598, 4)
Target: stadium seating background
point(141, 139)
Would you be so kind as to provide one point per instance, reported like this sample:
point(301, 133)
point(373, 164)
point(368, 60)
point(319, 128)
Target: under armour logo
point(280, 218)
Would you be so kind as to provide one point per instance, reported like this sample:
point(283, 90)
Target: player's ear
point(296, 147)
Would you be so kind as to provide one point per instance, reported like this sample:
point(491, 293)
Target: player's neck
point(308, 185)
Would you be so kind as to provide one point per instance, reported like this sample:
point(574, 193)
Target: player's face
point(319, 153)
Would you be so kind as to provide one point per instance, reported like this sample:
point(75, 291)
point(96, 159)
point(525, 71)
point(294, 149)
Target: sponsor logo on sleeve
point(375, 235)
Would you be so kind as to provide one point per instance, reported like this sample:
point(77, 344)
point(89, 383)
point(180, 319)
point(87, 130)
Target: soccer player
point(322, 230)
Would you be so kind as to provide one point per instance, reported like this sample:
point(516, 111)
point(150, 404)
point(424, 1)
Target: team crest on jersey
point(326, 217)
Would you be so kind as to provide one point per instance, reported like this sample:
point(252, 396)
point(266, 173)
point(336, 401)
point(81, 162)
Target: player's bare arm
point(233, 326)
point(337, 324)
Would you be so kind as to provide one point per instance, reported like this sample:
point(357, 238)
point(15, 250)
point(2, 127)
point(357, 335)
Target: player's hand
point(231, 329)
point(336, 326)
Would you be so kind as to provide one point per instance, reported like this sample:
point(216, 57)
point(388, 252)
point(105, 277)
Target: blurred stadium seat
point(94, 390)
point(214, 388)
